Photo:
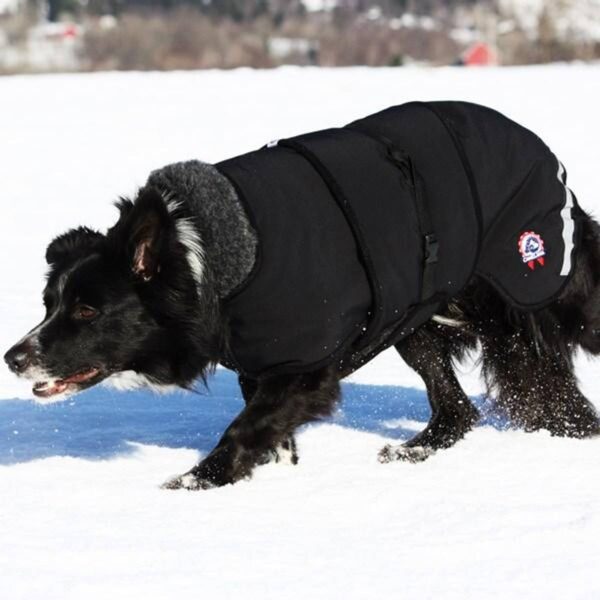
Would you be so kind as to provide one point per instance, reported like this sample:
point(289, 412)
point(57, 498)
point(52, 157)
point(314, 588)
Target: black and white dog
point(275, 265)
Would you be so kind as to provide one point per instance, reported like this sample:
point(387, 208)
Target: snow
point(503, 514)
point(339, 524)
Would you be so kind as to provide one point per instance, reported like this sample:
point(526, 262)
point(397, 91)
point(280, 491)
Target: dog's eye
point(83, 312)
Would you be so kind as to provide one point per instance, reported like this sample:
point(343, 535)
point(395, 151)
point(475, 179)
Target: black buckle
point(432, 248)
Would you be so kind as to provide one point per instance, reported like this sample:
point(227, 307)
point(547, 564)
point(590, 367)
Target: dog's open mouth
point(73, 383)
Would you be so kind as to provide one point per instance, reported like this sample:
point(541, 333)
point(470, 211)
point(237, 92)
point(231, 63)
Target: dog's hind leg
point(537, 389)
point(527, 357)
point(429, 354)
point(286, 452)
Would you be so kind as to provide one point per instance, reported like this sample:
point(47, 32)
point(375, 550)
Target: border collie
point(273, 264)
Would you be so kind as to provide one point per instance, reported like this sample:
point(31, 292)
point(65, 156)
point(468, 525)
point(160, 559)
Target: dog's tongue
point(45, 389)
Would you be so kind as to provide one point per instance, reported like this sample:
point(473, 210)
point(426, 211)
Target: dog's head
point(127, 300)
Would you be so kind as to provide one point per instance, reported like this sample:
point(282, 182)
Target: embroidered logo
point(531, 247)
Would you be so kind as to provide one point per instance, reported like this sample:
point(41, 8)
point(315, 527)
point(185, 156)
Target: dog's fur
point(146, 297)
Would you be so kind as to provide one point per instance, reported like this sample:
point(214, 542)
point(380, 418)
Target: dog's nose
point(18, 358)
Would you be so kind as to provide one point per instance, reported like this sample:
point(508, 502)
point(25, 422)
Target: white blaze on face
point(48, 388)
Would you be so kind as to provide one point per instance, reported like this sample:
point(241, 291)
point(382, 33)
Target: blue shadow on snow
point(98, 423)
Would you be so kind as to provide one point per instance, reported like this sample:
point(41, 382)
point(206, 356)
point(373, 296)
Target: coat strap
point(429, 238)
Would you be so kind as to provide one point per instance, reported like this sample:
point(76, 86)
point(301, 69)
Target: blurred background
point(39, 36)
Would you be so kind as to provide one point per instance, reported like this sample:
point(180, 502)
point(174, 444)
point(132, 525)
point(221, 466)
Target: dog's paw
point(189, 481)
point(412, 454)
point(285, 453)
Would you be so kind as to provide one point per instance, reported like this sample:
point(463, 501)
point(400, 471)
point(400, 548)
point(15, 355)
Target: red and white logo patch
point(531, 248)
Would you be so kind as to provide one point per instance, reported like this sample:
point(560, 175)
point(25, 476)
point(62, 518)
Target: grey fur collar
point(228, 241)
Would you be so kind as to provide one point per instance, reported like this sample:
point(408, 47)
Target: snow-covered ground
point(502, 515)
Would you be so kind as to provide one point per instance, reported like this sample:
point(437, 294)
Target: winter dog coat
point(364, 231)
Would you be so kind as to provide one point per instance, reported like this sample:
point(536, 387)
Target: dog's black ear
point(142, 230)
point(72, 245)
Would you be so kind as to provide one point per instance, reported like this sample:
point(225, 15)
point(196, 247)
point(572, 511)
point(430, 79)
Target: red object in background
point(479, 55)
point(70, 31)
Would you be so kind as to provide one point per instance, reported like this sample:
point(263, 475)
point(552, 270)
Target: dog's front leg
point(287, 451)
point(279, 405)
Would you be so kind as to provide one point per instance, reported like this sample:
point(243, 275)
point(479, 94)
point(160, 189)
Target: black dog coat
point(364, 231)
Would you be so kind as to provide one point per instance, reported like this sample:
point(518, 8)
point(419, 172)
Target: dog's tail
point(583, 291)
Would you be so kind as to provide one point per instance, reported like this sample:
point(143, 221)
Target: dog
point(281, 264)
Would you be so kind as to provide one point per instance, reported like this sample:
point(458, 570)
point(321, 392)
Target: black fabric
point(364, 230)
point(522, 187)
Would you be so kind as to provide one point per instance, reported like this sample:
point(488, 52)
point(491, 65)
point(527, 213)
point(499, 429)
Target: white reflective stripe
point(272, 143)
point(561, 173)
point(567, 218)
